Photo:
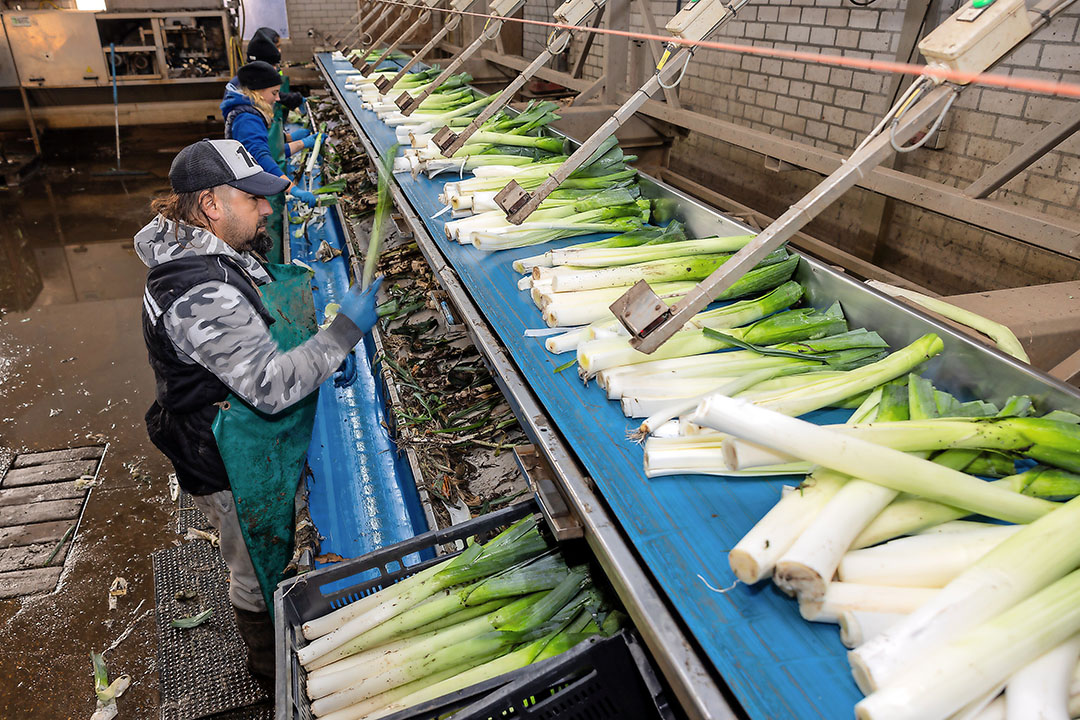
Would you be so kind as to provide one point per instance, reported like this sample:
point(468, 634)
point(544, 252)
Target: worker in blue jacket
point(248, 111)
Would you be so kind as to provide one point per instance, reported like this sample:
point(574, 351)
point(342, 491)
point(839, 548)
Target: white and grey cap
point(209, 163)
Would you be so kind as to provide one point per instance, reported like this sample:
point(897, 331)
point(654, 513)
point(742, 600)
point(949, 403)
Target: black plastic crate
point(598, 679)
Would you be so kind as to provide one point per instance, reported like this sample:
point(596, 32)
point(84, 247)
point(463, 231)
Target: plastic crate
point(598, 679)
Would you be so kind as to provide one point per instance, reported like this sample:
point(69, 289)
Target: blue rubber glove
point(300, 134)
point(309, 141)
point(359, 306)
point(304, 196)
point(345, 375)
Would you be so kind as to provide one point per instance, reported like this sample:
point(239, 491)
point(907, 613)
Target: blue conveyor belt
point(362, 493)
point(776, 664)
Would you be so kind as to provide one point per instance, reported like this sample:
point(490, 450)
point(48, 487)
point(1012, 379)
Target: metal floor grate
point(202, 668)
point(189, 516)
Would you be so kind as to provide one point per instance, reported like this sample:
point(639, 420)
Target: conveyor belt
point(776, 664)
point(362, 493)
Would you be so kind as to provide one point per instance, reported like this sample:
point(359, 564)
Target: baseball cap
point(209, 163)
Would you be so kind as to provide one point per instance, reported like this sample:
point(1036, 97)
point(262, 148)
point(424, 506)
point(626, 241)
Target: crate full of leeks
point(509, 623)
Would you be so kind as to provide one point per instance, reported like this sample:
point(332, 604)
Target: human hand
point(304, 196)
point(309, 141)
point(300, 134)
point(359, 305)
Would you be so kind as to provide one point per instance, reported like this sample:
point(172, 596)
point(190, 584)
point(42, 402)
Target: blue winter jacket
point(243, 122)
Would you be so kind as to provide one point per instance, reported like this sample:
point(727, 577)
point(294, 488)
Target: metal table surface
point(774, 663)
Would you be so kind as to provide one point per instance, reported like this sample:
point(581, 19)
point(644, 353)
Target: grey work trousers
point(220, 510)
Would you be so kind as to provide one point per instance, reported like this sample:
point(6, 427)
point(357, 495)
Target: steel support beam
point(1018, 160)
point(670, 94)
point(579, 66)
point(616, 50)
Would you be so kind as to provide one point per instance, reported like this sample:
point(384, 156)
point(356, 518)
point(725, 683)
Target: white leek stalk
point(1003, 336)
point(317, 627)
point(974, 662)
point(754, 557)
point(887, 467)
point(1040, 690)
point(611, 257)
point(929, 560)
point(809, 564)
point(1023, 564)
point(858, 626)
point(849, 597)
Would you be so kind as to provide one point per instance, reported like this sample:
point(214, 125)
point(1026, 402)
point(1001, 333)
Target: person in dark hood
point(247, 110)
point(265, 45)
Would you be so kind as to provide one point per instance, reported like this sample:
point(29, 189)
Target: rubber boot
point(257, 630)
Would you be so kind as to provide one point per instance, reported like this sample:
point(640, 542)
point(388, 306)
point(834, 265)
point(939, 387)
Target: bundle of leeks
point(943, 613)
point(604, 169)
point(365, 86)
point(494, 608)
point(504, 140)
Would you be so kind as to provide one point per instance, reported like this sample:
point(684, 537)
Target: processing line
point(663, 542)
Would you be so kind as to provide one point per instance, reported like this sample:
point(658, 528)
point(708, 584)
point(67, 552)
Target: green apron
point(274, 224)
point(264, 454)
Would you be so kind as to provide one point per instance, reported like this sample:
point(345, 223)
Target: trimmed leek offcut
point(997, 332)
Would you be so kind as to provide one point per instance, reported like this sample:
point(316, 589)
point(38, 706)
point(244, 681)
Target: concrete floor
point(73, 371)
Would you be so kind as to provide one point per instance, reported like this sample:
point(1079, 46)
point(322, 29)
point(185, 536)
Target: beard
point(262, 243)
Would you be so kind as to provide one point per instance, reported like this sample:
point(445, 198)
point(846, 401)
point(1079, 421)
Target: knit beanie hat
point(258, 75)
point(262, 46)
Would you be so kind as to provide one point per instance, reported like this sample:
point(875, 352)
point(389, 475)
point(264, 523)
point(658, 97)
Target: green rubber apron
point(264, 454)
point(275, 225)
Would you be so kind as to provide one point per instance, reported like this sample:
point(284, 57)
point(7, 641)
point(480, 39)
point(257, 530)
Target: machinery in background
point(65, 48)
point(170, 65)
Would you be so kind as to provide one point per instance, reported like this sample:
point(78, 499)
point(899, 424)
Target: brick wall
point(330, 16)
point(833, 108)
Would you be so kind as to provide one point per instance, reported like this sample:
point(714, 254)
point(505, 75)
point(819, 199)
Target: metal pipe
point(386, 33)
point(385, 84)
point(424, 18)
point(449, 142)
point(115, 101)
point(519, 205)
point(657, 331)
point(408, 104)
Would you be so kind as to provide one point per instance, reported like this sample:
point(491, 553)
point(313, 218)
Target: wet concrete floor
point(73, 371)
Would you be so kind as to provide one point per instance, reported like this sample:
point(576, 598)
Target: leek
point(976, 662)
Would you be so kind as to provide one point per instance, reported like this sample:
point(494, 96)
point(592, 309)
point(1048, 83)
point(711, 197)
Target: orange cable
point(1047, 87)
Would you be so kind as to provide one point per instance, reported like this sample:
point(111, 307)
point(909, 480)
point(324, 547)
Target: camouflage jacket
point(214, 325)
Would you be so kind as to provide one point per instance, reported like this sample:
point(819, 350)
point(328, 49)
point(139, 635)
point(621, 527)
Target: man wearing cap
point(206, 330)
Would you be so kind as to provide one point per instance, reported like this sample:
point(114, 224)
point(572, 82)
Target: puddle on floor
point(65, 233)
